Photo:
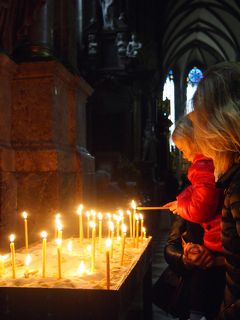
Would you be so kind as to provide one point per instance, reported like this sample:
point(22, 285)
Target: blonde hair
point(184, 131)
point(217, 115)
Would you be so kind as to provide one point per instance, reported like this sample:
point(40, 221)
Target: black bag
point(168, 293)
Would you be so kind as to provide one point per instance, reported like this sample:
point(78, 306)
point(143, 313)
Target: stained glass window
point(195, 75)
point(168, 92)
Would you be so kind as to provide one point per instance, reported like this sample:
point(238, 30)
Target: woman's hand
point(198, 256)
point(172, 206)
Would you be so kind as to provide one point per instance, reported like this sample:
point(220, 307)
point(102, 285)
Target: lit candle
point(109, 217)
point(25, 215)
point(144, 232)
point(70, 246)
point(141, 226)
point(27, 263)
point(108, 245)
point(124, 230)
point(93, 214)
point(82, 268)
point(59, 256)
point(133, 205)
point(111, 227)
point(120, 212)
point(89, 250)
point(93, 226)
point(79, 212)
point(100, 216)
point(12, 248)
point(88, 221)
point(57, 222)
point(59, 230)
point(44, 252)
point(2, 266)
point(137, 229)
point(130, 222)
point(118, 218)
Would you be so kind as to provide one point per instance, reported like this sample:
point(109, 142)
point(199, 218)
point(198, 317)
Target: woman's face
point(184, 147)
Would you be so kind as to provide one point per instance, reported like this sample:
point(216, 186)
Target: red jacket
point(201, 202)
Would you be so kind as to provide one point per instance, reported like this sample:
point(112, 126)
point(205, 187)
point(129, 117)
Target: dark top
point(173, 251)
point(230, 181)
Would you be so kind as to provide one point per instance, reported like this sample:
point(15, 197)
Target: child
point(217, 130)
point(200, 202)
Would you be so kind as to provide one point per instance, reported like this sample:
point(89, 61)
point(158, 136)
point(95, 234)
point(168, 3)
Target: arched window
point(168, 92)
point(193, 78)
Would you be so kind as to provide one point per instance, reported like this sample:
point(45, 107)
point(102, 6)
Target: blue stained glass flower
point(195, 75)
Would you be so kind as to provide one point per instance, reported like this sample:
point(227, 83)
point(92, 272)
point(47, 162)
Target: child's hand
point(171, 206)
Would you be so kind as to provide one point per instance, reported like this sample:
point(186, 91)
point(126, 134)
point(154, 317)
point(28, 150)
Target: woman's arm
point(173, 251)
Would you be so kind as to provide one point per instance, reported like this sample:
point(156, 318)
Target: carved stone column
point(8, 186)
point(47, 100)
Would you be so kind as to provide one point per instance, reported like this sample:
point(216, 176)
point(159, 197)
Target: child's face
point(186, 150)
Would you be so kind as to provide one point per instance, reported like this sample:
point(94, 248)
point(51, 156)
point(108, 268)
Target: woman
point(216, 120)
point(202, 271)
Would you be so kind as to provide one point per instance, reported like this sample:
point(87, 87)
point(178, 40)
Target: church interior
point(90, 90)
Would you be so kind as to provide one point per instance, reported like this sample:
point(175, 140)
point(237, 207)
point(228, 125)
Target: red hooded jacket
point(201, 202)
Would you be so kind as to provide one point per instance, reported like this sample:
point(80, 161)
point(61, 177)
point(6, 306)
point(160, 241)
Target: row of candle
point(133, 227)
point(91, 249)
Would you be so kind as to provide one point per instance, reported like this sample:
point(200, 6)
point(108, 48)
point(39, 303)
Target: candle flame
point(108, 243)
point(133, 204)
point(87, 214)
point(28, 260)
point(92, 224)
point(111, 225)
point(59, 226)
point(44, 234)
point(100, 216)
point(12, 237)
point(70, 246)
point(129, 212)
point(124, 228)
point(140, 216)
point(58, 241)
point(82, 268)
point(109, 215)
point(79, 209)
point(136, 216)
point(118, 219)
point(89, 248)
point(24, 215)
point(93, 213)
point(58, 216)
point(120, 212)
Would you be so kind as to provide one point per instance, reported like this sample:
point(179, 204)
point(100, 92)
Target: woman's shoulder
point(233, 189)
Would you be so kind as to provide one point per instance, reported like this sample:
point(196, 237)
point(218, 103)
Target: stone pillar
point(65, 33)
point(49, 170)
point(8, 186)
point(36, 36)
